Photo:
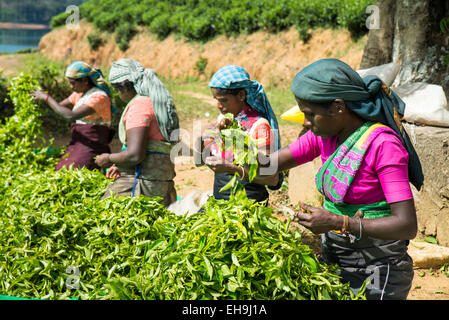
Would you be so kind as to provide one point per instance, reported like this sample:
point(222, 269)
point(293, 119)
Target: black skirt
point(254, 191)
point(384, 263)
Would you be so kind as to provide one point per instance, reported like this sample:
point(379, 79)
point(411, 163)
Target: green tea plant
point(234, 250)
point(199, 21)
point(22, 132)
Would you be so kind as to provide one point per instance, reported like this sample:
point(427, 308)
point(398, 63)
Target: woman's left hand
point(219, 165)
point(317, 220)
point(103, 160)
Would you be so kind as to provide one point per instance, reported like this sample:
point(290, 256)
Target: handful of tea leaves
point(235, 138)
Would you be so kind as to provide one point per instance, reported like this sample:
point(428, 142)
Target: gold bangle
point(243, 173)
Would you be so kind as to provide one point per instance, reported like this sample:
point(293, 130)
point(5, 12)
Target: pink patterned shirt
point(383, 173)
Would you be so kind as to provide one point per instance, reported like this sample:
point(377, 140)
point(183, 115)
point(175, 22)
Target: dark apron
point(153, 177)
point(254, 191)
point(87, 141)
point(385, 263)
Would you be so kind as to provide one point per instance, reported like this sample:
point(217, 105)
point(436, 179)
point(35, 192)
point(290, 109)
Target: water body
point(12, 40)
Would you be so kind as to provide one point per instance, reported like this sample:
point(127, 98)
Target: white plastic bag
point(191, 203)
point(386, 72)
point(424, 103)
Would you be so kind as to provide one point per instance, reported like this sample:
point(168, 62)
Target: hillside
point(198, 20)
point(273, 59)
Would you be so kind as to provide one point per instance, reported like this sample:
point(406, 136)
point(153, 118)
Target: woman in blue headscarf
point(90, 107)
point(236, 93)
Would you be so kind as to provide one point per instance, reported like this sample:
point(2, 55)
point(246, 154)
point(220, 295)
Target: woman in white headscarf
point(147, 130)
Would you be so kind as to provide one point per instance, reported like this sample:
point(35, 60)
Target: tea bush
point(198, 20)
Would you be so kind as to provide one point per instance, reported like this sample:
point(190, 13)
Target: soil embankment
point(272, 59)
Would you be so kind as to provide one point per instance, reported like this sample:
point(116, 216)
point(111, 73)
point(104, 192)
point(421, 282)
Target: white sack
point(386, 72)
point(424, 103)
point(191, 203)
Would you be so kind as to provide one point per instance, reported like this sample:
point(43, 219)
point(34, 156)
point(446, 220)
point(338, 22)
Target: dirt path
point(12, 25)
point(429, 284)
point(201, 96)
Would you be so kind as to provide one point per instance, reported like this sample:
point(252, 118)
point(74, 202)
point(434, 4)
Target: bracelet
point(360, 229)
point(243, 172)
point(46, 99)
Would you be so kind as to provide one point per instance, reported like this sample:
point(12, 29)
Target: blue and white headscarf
point(235, 77)
point(80, 69)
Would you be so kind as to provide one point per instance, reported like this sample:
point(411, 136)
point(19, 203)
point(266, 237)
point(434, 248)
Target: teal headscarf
point(328, 79)
point(80, 69)
point(146, 83)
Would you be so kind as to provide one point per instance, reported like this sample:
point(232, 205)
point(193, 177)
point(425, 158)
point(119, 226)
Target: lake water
point(12, 40)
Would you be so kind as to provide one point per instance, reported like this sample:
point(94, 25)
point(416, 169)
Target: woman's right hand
point(224, 123)
point(39, 95)
point(209, 133)
point(113, 173)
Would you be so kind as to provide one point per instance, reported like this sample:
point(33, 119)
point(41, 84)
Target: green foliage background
point(201, 20)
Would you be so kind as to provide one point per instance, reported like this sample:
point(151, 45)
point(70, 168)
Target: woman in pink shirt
point(368, 215)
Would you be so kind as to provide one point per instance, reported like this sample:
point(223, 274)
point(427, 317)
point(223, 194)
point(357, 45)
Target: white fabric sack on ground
point(424, 103)
point(386, 72)
point(191, 203)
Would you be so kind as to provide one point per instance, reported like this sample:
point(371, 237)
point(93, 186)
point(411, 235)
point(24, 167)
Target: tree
point(414, 34)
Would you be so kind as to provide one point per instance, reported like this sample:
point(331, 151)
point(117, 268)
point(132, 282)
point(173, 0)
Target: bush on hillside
point(125, 32)
point(199, 21)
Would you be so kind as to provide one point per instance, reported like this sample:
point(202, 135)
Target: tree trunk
point(412, 34)
point(379, 47)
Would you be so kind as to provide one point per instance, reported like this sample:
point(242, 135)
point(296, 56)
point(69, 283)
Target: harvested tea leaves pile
point(236, 249)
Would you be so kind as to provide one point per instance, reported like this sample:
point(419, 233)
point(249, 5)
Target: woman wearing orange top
point(90, 106)
point(147, 130)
